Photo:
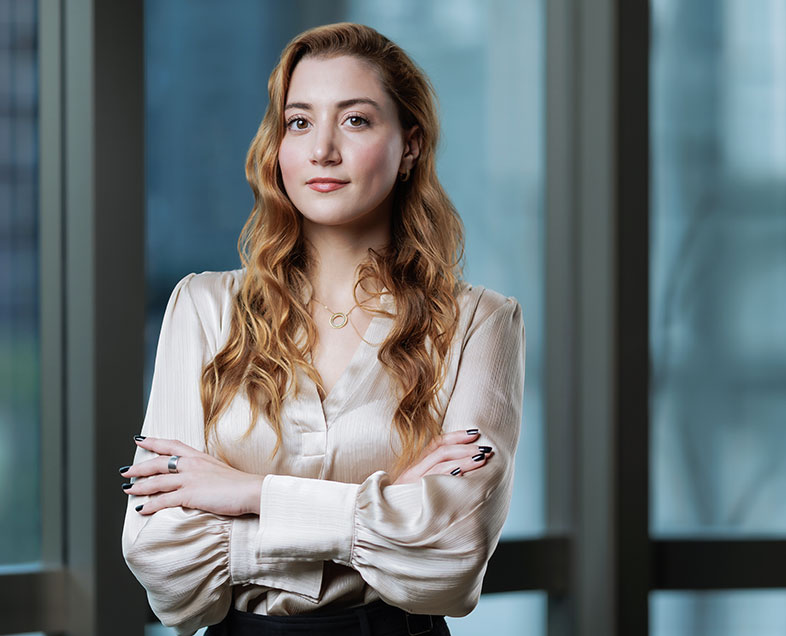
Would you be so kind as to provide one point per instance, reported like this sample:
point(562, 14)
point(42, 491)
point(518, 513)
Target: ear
point(411, 149)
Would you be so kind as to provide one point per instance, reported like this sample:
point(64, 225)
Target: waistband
point(377, 619)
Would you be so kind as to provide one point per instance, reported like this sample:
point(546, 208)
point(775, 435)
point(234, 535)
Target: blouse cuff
point(302, 578)
point(306, 519)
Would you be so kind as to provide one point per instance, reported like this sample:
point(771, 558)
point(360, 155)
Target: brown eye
point(356, 121)
point(298, 123)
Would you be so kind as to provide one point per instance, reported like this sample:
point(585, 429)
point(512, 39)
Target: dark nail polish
point(123, 469)
point(139, 438)
point(455, 471)
point(139, 507)
point(472, 431)
point(484, 449)
point(479, 457)
point(127, 486)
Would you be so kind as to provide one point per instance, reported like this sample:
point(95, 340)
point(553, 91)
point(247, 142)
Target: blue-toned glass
point(508, 614)
point(20, 501)
point(726, 613)
point(718, 267)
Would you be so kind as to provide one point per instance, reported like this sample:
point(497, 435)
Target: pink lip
point(325, 184)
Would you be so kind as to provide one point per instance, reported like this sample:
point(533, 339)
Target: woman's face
point(343, 145)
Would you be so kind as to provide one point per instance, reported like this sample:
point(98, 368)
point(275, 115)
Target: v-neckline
point(340, 391)
point(353, 360)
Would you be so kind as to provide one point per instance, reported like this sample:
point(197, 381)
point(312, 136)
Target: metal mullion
point(560, 296)
point(51, 285)
point(104, 273)
point(718, 564)
point(632, 548)
point(32, 602)
point(530, 564)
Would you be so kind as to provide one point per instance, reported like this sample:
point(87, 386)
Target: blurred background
point(620, 168)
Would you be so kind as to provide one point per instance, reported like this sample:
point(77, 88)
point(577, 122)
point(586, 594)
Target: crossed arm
point(203, 482)
point(422, 542)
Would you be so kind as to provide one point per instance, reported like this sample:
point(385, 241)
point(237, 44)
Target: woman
point(329, 442)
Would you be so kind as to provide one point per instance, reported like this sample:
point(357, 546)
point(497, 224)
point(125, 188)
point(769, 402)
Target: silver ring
point(173, 463)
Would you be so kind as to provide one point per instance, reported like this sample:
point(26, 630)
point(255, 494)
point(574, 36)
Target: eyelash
point(364, 122)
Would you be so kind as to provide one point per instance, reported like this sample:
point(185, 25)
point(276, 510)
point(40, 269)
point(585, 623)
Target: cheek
point(287, 161)
point(380, 162)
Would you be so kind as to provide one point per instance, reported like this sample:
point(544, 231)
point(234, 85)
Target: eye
point(356, 121)
point(297, 123)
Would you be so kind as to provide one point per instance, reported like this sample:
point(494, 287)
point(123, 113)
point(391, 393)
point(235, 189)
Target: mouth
point(325, 184)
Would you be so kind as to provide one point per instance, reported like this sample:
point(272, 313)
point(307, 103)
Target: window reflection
point(718, 299)
point(20, 515)
point(728, 613)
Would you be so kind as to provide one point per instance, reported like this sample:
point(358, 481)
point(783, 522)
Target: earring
point(404, 176)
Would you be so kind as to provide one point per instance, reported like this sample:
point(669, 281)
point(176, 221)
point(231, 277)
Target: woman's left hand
point(201, 481)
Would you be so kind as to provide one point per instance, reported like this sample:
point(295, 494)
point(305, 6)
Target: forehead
point(320, 80)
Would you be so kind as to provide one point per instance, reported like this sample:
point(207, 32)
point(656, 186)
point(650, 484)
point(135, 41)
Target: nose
point(325, 151)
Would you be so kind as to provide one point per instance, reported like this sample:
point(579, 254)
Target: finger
point(159, 484)
point(157, 466)
point(447, 453)
point(454, 437)
point(461, 467)
point(166, 446)
point(159, 502)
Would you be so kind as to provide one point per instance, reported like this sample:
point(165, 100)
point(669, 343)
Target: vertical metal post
point(632, 281)
point(595, 205)
point(581, 302)
point(560, 290)
point(104, 229)
point(50, 187)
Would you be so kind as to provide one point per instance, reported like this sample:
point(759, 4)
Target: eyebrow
point(342, 104)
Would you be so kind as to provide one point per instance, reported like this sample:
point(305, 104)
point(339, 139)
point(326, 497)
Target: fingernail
point(479, 457)
point(127, 486)
point(139, 438)
point(472, 431)
point(455, 471)
point(139, 507)
point(484, 449)
point(123, 469)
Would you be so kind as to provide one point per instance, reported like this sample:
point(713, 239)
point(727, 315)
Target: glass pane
point(732, 613)
point(20, 515)
point(508, 614)
point(718, 286)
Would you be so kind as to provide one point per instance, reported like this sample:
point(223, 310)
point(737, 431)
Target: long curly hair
point(272, 332)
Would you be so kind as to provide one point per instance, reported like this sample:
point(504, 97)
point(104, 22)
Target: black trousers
point(374, 619)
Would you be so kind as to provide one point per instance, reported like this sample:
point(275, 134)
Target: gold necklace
point(338, 319)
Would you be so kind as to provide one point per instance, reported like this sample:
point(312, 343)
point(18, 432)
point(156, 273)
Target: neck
point(337, 252)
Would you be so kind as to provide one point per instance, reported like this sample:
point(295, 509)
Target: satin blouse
point(333, 529)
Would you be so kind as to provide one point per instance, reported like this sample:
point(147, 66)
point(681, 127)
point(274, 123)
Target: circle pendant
point(338, 320)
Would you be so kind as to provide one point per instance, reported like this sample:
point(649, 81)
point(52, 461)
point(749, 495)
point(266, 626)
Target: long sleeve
point(424, 546)
point(188, 559)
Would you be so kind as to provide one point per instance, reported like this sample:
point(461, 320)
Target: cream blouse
point(333, 530)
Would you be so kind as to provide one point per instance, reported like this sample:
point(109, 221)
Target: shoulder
point(212, 288)
point(211, 295)
point(479, 304)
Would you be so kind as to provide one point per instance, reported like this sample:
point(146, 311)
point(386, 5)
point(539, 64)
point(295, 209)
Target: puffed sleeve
point(187, 560)
point(423, 546)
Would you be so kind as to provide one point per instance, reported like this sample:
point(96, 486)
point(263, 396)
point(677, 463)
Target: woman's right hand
point(449, 454)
